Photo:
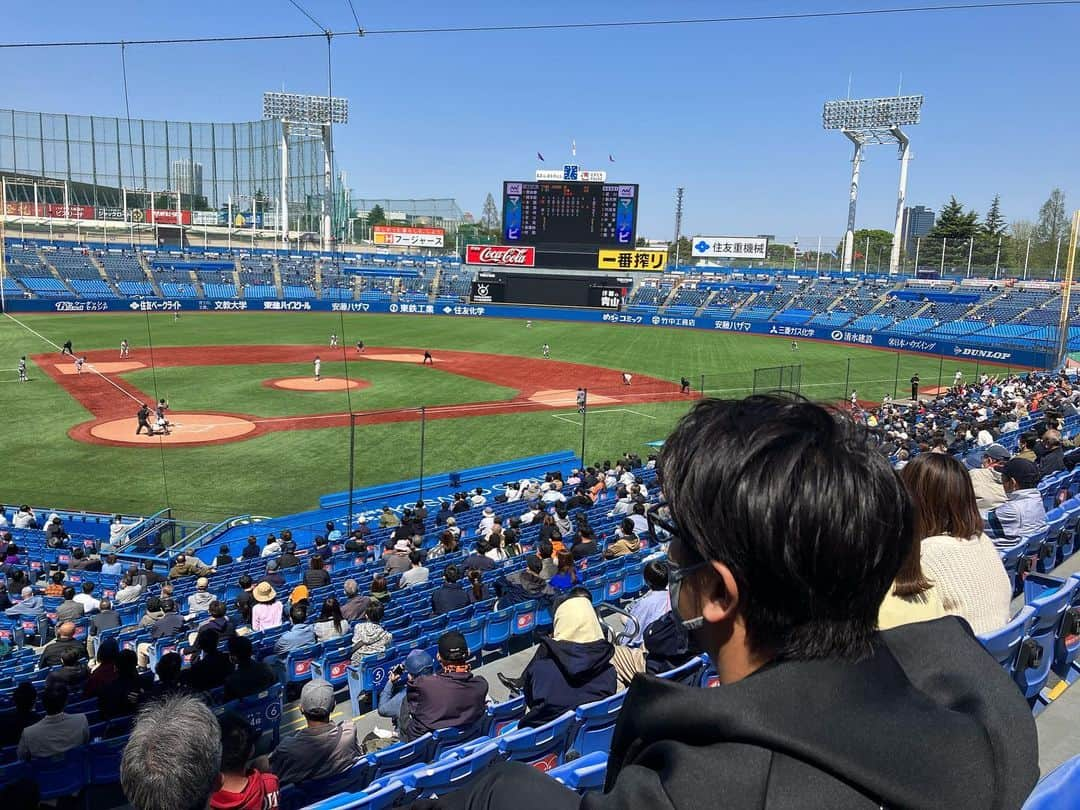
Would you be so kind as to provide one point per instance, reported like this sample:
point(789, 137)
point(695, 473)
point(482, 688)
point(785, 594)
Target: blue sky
point(730, 111)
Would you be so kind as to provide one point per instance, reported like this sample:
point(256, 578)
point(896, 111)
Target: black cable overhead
point(560, 26)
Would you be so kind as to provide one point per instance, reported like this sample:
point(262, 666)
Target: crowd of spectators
point(787, 536)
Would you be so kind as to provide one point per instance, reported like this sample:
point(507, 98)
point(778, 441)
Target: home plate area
point(185, 428)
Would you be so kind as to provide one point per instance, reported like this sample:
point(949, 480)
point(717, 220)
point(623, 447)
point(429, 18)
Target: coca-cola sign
point(505, 255)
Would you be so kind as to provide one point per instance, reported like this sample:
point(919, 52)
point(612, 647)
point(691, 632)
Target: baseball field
point(253, 431)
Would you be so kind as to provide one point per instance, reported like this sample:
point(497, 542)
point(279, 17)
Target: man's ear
point(721, 600)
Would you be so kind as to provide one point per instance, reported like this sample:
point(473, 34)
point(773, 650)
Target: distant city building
point(918, 222)
point(188, 177)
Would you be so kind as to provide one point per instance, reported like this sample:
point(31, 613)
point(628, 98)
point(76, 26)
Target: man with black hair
point(58, 732)
point(451, 698)
point(584, 544)
point(170, 622)
point(450, 595)
point(212, 667)
point(301, 634)
point(417, 573)
point(546, 552)
point(245, 600)
point(479, 559)
point(324, 748)
point(251, 549)
point(249, 676)
point(521, 586)
point(1023, 513)
point(69, 610)
point(72, 674)
point(788, 529)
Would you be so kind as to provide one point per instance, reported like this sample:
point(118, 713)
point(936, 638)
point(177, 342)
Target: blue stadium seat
point(689, 673)
point(103, 761)
point(63, 775)
point(1060, 790)
point(542, 747)
point(1004, 644)
point(402, 755)
point(447, 738)
point(450, 774)
point(585, 774)
point(389, 796)
point(294, 797)
point(524, 618)
point(334, 664)
point(595, 723)
point(298, 663)
point(497, 629)
point(500, 715)
point(1050, 608)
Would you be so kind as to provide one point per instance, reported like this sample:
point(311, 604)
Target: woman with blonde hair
point(956, 556)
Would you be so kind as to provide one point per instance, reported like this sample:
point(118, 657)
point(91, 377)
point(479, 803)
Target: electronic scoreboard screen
point(570, 213)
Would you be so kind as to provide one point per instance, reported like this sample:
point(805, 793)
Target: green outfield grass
point(283, 472)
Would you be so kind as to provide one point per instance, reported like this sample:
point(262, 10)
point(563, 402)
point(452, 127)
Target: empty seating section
point(72, 263)
point(123, 268)
point(337, 285)
point(297, 277)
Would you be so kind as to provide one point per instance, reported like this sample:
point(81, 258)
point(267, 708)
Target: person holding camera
point(392, 702)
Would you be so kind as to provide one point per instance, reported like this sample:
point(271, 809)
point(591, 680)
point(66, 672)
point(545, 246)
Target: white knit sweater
point(970, 579)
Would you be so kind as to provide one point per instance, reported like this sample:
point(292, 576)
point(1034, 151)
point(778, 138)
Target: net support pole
point(702, 389)
point(847, 379)
point(352, 465)
point(896, 377)
point(423, 425)
point(584, 413)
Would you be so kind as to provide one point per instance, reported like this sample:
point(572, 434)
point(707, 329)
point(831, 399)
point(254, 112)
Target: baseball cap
point(998, 453)
point(271, 565)
point(418, 662)
point(1022, 471)
point(317, 699)
point(202, 582)
point(453, 648)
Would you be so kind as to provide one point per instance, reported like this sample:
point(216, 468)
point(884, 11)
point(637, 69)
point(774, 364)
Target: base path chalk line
point(110, 398)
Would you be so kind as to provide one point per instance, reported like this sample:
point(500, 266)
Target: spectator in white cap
point(486, 522)
point(478, 498)
point(199, 602)
point(397, 560)
point(324, 748)
point(989, 493)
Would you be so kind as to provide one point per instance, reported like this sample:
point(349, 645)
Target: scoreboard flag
point(651, 260)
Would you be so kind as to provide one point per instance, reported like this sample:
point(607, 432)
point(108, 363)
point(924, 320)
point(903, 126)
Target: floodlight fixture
point(304, 109)
point(872, 113)
point(866, 121)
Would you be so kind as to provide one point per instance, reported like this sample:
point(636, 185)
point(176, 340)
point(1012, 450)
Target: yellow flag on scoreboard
point(649, 260)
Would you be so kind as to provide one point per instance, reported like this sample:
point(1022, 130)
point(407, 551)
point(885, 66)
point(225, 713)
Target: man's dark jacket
point(444, 700)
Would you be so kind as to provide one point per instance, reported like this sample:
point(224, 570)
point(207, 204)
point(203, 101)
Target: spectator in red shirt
point(239, 788)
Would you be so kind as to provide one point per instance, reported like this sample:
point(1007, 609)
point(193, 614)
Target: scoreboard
point(570, 213)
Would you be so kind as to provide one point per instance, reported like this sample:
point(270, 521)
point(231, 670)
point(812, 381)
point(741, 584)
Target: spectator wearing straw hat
point(397, 561)
point(266, 612)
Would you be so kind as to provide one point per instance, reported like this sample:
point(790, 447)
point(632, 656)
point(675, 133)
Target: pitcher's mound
point(311, 384)
point(187, 428)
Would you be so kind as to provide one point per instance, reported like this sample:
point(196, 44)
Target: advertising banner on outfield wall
point(1033, 356)
point(407, 237)
point(69, 211)
point(729, 247)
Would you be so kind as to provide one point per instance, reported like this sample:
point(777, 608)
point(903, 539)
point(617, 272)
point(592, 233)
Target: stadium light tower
point(306, 115)
point(868, 121)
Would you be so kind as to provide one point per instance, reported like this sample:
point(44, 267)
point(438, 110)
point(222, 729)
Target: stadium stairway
point(149, 274)
point(277, 279)
point(96, 262)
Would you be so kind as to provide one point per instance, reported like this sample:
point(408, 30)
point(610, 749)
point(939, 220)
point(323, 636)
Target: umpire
point(915, 387)
point(144, 421)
